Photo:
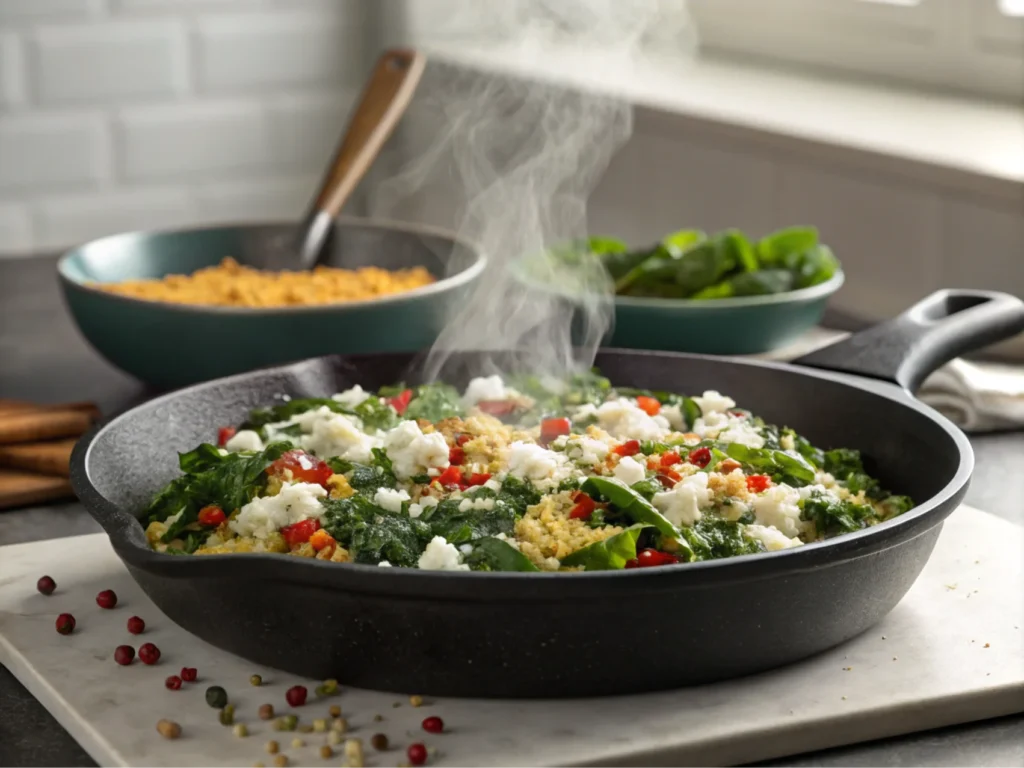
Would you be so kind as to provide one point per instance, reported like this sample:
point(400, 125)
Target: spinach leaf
point(847, 467)
point(229, 482)
point(260, 417)
point(773, 250)
point(683, 240)
point(619, 264)
point(517, 494)
point(893, 506)
point(367, 480)
point(633, 505)
point(610, 554)
point(376, 414)
point(760, 283)
point(814, 456)
point(647, 488)
point(779, 465)
point(492, 554)
point(679, 275)
point(815, 265)
point(714, 537)
point(832, 516)
point(460, 527)
point(434, 402)
point(372, 534)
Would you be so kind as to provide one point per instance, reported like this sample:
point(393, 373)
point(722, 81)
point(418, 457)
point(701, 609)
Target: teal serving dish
point(173, 345)
point(745, 325)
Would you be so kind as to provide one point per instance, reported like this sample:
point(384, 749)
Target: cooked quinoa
point(520, 475)
point(230, 284)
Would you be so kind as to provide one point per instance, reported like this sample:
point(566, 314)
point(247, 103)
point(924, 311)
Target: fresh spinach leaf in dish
point(691, 264)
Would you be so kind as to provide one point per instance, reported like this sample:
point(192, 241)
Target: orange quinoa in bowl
point(230, 284)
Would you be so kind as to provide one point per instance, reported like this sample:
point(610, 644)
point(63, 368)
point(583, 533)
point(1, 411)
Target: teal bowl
point(746, 325)
point(173, 345)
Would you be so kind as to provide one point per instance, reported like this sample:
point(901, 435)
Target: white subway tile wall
point(132, 114)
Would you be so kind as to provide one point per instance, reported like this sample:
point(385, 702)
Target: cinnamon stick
point(50, 458)
point(21, 488)
point(22, 422)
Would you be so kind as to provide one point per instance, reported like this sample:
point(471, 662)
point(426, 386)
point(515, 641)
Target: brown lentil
point(416, 700)
point(168, 729)
point(306, 728)
point(334, 711)
point(266, 711)
point(379, 741)
point(281, 761)
point(273, 747)
point(354, 753)
point(340, 725)
point(326, 752)
point(378, 718)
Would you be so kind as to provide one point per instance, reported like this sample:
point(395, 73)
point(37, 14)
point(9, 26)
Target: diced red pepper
point(700, 457)
point(647, 558)
point(456, 455)
point(451, 476)
point(211, 516)
point(584, 508)
point(758, 483)
point(461, 440)
point(300, 532)
point(738, 414)
point(668, 477)
point(321, 539)
point(304, 468)
point(552, 428)
point(497, 407)
point(478, 478)
point(628, 448)
point(400, 401)
point(670, 458)
point(224, 434)
point(648, 405)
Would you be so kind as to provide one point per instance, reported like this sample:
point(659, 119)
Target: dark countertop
point(43, 358)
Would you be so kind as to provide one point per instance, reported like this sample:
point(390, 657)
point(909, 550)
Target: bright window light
point(1012, 7)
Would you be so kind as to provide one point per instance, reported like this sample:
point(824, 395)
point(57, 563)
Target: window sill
point(973, 147)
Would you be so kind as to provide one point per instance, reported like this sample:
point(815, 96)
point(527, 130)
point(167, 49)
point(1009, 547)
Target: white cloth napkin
point(977, 397)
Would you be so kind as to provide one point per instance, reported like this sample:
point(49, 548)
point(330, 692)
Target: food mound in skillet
point(521, 476)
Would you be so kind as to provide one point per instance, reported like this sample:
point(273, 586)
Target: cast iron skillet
point(543, 635)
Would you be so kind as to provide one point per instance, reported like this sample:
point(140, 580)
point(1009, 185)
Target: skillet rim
point(118, 523)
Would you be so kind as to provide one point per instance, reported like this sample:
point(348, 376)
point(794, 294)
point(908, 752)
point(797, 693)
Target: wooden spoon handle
point(382, 104)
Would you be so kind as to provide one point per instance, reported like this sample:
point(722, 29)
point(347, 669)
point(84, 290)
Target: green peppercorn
point(227, 715)
point(255, 680)
point(327, 688)
point(290, 722)
point(216, 697)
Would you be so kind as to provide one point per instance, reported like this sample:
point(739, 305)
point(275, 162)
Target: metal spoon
point(383, 102)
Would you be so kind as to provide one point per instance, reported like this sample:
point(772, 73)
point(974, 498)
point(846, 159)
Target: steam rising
point(524, 155)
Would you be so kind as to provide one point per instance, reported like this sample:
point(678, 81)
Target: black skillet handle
point(906, 349)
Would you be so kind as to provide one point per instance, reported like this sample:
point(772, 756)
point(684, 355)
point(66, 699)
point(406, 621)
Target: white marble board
point(952, 651)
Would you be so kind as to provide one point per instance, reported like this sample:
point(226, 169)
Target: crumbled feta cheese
point(682, 504)
point(482, 505)
point(674, 415)
point(586, 450)
point(413, 453)
point(741, 431)
point(390, 499)
point(267, 514)
point(622, 418)
point(714, 402)
point(583, 414)
point(629, 470)
point(813, 490)
point(383, 564)
point(441, 556)
point(772, 538)
point(466, 549)
point(493, 484)
point(778, 507)
point(335, 434)
point(351, 397)
point(485, 388)
point(425, 503)
point(787, 443)
point(244, 440)
point(540, 466)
